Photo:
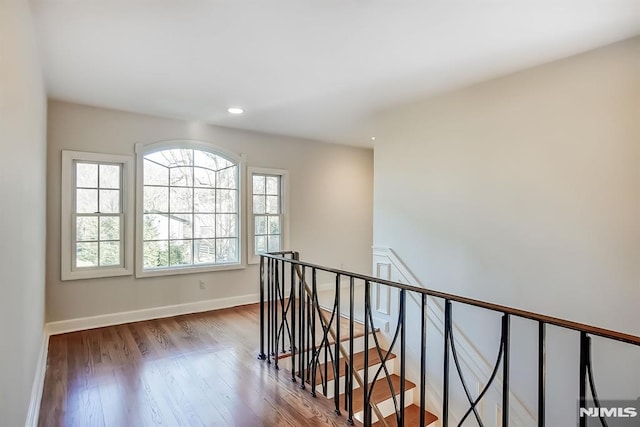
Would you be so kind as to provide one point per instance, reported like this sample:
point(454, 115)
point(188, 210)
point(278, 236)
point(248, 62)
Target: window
point(96, 198)
point(268, 222)
point(190, 211)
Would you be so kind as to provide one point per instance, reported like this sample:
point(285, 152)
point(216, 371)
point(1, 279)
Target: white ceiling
point(307, 68)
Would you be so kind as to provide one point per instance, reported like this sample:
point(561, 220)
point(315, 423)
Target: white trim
point(284, 199)
point(143, 148)
point(67, 229)
point(38, 382)
point(83, 323)
point(469, 356)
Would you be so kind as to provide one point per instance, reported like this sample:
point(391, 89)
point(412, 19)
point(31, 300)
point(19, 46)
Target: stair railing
point(290, 312)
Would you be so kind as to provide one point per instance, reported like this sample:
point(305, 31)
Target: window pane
point(180, 200)
point(261, 244)
point(87, 228)
point(210, 161)
point(226, 201)
point(204, 226)
point(180, 226)
point(258, 184)
point(86, 175)
point(273, 185)
point(274, 243)
point(87, 254)
point(180, 252)
point(181, 177)
point(109, 176)
point(261, 225)
point(155, 227)
point(154, 174)
point(205, 251)
point(174, 157)
point(205, 200)
point(273, 203)
point(156, 254)
point(156, 199)
point(226, 225)
point(87, 201)
point(109, 229)
point(110, 201)
point(109, 253)
point(204, 178)
point(259, 204)
point(226, 250)
point(274, 225)
point(226, 178)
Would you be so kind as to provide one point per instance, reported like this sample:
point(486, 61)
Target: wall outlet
point(202, 286)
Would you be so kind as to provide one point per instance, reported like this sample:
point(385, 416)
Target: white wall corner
point(38, 382)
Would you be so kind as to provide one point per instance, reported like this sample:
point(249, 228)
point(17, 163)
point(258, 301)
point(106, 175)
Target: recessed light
point(235, 110)
point(373, 138)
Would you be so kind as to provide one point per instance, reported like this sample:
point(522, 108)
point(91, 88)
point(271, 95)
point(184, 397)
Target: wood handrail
point(568, 324)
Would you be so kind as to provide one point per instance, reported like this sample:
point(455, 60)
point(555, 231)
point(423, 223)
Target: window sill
point(95, 274)
point(188, 270)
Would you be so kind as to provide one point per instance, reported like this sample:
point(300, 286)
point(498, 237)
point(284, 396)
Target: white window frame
point(146, 148)
point(68, 229)
point(284, 200)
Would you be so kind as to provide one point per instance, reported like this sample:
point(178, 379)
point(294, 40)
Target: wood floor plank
point(191, 370)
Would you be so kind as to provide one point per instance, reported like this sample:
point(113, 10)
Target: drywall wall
point(525, 191)
point(22, 210)
point(330, 198)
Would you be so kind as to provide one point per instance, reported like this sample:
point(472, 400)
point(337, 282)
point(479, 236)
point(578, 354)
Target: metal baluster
point(423, 359)
point(269, 318)
point(285, 324)
point(542, 356)
point(349, 394)
point(336, 362)
point(262, 356)
point(584, 354)
point(403, 364)
point(314, 366)
point(445, 398)
point(367, 395)
point(303, 328)
point(293, 322)
point(506, 322)
point(276, 291)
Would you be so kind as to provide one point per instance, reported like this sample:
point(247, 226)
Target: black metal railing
point(312, 335)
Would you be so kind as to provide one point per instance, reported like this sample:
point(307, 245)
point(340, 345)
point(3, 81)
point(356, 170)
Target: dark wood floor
point(193, 370)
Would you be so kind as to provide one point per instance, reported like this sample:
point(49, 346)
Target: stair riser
point(386, 407)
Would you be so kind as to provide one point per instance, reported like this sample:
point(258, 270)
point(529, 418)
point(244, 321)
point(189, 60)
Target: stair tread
point(358, 363)
point(381, 391)
point(411, 418)
point(358, 328)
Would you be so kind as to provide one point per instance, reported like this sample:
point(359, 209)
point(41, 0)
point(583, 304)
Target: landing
point(197, 369)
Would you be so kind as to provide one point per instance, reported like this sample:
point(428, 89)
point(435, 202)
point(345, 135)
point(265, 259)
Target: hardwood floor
point(192, 370)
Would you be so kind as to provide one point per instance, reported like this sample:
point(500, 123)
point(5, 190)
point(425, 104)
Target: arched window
point(190, 208)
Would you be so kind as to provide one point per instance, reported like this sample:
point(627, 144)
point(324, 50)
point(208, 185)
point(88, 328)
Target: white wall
point(525, 191)
point(331, 190)
point(22, 210)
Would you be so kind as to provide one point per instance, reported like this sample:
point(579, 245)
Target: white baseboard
point(83, 323)
point(38, 382)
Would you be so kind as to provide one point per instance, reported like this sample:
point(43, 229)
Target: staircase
point(384, 391)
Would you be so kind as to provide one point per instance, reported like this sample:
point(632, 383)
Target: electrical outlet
point(202, 286)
